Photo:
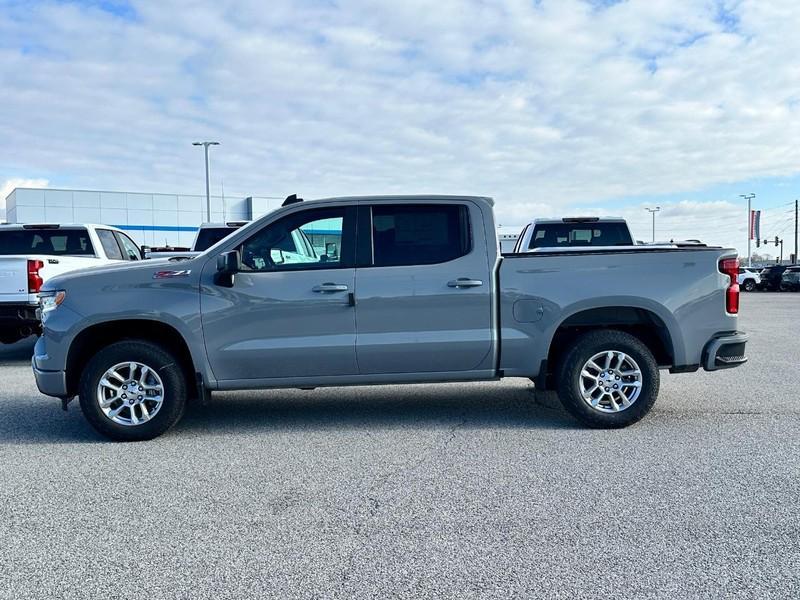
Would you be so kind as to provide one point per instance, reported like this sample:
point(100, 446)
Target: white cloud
point(546, 106)
point(9, 184)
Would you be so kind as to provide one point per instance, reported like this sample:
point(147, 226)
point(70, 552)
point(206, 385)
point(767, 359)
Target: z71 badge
point(171, 274)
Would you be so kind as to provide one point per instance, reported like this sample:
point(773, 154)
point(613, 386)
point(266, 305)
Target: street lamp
point(653, 212)
point(749, 198)
point(208, 181)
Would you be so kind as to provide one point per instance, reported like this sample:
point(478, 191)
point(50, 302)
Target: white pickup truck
point(30, 254)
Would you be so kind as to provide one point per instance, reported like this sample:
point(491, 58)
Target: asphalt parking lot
point(457, 490)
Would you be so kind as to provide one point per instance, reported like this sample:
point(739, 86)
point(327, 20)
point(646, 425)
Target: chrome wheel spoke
point(115, 375)
point(109, 401)
point(113, 413)
point(594, 365)
point(142, 381)
point(106, 383)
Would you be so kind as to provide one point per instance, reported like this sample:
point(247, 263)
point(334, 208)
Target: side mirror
point(330, 249)
point(228, 264)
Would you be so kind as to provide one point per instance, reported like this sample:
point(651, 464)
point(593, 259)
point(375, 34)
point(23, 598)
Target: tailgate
point(14, 273)
point(13, 279)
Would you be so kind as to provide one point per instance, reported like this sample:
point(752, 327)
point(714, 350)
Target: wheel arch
point(97, 336)
point(656, 330)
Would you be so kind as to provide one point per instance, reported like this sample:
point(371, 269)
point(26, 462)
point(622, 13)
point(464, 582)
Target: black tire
point(569, 378)
point(749, 285)
point(156, 358)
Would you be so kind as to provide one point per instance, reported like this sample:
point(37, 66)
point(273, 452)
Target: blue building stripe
point(154, 228)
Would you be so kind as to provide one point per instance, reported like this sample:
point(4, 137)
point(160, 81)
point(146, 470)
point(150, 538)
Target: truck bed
point(680, 289)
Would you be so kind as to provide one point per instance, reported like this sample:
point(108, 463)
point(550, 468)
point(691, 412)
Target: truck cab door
point(425, 293)
point(289, 312)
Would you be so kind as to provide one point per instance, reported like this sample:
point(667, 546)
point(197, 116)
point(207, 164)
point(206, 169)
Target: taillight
point(730, 267)
point(35, 280)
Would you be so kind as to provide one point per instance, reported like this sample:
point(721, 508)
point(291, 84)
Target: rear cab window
point(555, 235)
point(208, 236)
point(50, 242)
point(419, 234)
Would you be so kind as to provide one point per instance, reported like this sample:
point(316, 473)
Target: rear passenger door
point(423, 290)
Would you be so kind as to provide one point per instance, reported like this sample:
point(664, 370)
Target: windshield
point(554, 235)
point(55, 242)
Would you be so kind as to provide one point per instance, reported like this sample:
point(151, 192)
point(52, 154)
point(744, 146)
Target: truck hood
point(124, 273)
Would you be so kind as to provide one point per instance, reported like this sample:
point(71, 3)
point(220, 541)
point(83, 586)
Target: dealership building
point(150, 219)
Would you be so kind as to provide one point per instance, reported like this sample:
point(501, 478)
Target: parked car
point(32, 253)
point(749, 278)
point(790, 280)
point(208, 235)
point(574, 232)
point(416, 292)
point(771, 278)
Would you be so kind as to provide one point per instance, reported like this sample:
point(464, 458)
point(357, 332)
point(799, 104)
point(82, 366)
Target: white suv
point(749, 278)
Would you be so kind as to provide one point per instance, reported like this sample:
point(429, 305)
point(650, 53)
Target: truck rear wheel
point(608, 379)
point(133, 391)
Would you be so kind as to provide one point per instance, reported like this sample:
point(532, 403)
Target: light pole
point(749, 198)
point(653, 212)
point(208, 179)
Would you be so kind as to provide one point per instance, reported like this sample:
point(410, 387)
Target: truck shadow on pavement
point(17, 353)
point(430, 407)
point(371, 409)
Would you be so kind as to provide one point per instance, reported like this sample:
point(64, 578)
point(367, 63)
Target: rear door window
point(129, 248)
point(110, 245)
point(419, 234)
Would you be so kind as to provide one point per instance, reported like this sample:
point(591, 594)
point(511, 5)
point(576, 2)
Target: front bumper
point(51, 383)
point(725, 351)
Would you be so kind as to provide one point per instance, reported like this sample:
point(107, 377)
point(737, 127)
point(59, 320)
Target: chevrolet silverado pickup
point(405, 289)
point(31, 253)
point(208, 235)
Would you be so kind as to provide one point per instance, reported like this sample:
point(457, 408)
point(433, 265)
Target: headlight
point(50, 300)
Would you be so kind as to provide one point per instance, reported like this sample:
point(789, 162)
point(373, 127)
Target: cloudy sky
point(553, 106)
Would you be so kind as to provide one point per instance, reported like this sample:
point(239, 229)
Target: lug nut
point(607, 390)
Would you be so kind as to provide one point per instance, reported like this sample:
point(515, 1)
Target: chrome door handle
point(464, 282)
point(329, 288)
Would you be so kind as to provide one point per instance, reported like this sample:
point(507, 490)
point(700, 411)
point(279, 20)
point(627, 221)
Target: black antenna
point(293, 199)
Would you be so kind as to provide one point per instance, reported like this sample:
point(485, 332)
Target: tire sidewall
point(159, 360)
point(600, 341)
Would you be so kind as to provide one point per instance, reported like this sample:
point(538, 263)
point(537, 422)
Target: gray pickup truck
point(384, 289)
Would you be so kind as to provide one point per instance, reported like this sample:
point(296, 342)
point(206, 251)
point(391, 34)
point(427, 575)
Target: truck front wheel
point(133, 390)
point(608, 379)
